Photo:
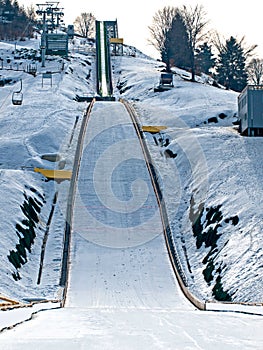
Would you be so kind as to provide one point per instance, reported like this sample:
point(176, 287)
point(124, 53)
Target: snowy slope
point(210, 167)
point(134, 329)
point(45, 124)
point(212, 185)
point(215, 169)
point(119, 259)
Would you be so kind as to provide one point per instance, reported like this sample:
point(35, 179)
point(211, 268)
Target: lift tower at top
point(51, 17)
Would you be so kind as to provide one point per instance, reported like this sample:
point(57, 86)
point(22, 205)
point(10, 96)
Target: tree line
point(180, 36)
point(16, 22)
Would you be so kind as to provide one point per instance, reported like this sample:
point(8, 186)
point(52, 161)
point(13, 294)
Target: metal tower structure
point(51, 17)
point(112, 29)
point(113, 37)
point(103, 61)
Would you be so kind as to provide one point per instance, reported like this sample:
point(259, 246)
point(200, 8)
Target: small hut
point(250, 110)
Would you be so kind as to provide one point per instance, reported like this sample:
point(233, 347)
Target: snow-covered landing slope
point(118, 258)
point(123, 295)
point(135, 329)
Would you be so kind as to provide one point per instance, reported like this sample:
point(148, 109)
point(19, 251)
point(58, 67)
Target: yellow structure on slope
point(153, 129)
point(4, 301)
point(55, 174)
point(116, 41)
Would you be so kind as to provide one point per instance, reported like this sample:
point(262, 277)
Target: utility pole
point(43, 41)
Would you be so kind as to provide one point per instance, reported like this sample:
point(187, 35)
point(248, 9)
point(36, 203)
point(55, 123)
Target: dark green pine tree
point(204, 58)
point(8, 10)
point(231, 68)
point(166, 54)
point(15, 23)
point(180, 52)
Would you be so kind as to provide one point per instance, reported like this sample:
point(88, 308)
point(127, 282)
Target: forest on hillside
point(16, 22)
point(183, 39)
point(179, 34)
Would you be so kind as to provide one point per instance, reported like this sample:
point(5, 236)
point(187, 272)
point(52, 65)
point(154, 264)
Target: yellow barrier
point(116, 40)
point(7, 301)
point(55, 174)
point(153, 129)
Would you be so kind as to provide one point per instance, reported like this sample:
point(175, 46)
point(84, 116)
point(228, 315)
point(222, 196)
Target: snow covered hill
point(210, 175)
point(42, 132)
point(211, 178)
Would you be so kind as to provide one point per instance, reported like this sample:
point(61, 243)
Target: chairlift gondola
point(17, 97)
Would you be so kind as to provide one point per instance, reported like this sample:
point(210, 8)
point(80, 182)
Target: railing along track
point(70, 204)
point(175, 261)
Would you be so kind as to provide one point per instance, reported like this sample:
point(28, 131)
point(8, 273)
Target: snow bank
point(211, 182)
point(46, 123)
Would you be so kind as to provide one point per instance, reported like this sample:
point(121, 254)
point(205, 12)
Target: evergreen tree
point(166, 53)
point(231, 68)
point(16, 8)
point(8, 11)
point(180, 51)
point(15, 23)
point(161, 25)
point(204, 58)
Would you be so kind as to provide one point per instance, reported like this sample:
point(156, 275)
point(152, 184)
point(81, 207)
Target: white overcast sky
point(228, 17)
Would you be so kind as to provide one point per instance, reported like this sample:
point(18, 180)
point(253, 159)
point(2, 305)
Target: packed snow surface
point(124, 295)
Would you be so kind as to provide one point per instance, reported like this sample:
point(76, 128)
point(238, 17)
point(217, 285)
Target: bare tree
point(32, 20)
point(31, 13)
point(255, 71)
point(161, 25)
point(195, 23)
point(85, 25)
